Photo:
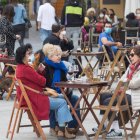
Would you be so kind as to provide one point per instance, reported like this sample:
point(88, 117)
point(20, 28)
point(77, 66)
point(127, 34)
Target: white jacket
point(133, 88)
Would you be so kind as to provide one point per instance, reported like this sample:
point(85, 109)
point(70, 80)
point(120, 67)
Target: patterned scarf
point(132, 69)
point(58, 67)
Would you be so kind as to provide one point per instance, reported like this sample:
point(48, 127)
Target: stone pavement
point(27, 133)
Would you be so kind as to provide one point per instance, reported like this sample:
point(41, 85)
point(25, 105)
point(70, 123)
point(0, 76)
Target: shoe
point(68, 135)
point(114, 134)
point(53, 132)
point(75, 131)
point(96, 129)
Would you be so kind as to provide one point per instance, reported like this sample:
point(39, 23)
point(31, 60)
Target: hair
point(56, 28)
point(62, 27)
point(14, 1)
point(107, 23)
point(136, 50)
point(104, 11)
point(112, 11)
point(48, 1)
point(50, 49)
point(21, 52)
point(130, 16)
point(91, 10)
point(9, 12)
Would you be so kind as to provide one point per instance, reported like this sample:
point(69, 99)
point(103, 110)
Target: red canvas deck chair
point(28, 109)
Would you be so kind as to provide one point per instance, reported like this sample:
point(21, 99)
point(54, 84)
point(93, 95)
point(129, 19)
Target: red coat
point(40, 103)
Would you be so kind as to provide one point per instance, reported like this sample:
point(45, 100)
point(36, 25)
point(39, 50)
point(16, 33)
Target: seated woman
point(133, 93)
point(55, 71)
point(41, 103)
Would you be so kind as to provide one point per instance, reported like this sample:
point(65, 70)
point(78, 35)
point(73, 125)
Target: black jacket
point(72, 14)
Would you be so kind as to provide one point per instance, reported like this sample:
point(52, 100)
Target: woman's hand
point(50, 92)
point(18, 37)
point(41, 67)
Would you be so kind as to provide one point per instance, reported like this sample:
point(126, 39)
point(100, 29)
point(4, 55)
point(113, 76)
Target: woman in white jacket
point(132, 75)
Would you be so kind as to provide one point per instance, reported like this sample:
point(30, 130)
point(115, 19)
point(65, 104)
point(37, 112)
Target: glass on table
point(76, 70)
point(2, 39)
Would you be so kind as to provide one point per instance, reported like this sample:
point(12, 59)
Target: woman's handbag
point(27, 23)
point(46, 91)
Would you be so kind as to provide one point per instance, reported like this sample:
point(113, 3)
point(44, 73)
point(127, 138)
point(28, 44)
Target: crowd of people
point(58, 39)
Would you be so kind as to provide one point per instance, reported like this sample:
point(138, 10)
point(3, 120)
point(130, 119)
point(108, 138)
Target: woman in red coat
point(41, 103)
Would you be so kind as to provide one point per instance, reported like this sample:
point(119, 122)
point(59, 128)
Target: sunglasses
point(131, 54)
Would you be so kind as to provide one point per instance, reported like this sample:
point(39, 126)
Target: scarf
point(132, 69)
point(58, 67)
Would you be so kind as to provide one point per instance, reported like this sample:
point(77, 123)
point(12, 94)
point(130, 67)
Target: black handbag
point(27, 23)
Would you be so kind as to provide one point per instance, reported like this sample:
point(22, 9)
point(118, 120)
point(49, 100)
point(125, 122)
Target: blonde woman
point(55, 71)
point(91, 15)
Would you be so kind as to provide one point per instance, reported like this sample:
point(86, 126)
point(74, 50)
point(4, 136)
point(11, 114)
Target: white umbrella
point(131, 6)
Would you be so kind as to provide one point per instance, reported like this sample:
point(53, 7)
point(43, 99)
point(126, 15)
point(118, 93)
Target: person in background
point(7, 30)
point(36, 5)
point(138, 17)
point(104, 14)
point(1, 10)
point(41, 103)
point(58, 37)
point(73, 18)
point(19, 20)
point(132, 93)
point(131, 22)
point(56, 71)
point(113, 18)
point(106, 39)
point(46, 18)
point(91, 15)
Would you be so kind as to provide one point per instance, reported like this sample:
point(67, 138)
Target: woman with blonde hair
point(91, 15)
point(56, 71)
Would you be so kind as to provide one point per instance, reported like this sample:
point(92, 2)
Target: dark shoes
point(75, 131)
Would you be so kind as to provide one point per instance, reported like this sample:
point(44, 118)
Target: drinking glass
point(76, 70)
point(70, 71)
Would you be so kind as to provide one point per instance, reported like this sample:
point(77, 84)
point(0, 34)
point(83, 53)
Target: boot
point(68, 135)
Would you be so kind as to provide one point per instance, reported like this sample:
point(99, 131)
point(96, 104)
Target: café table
point(88, 56)
point(83, 87)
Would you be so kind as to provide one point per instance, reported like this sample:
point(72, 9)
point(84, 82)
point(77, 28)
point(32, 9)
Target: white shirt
point(46, 15)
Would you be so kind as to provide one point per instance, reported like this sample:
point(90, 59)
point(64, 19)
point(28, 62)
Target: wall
point(118, 8)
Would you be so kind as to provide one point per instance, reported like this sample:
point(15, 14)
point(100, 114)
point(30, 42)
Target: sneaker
point(96, 129)
point(114, 134)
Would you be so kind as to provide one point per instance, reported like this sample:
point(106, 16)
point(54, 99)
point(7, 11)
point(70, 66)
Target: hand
point(65, 53)
point(119, 44)
point(41, 67)
point(18, 37)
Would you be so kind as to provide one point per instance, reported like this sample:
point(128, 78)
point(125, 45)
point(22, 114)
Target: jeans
point(74, 34)
point(60, 110)
point(73, 123)
point(44, 34)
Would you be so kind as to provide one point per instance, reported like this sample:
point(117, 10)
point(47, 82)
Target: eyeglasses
point(131, 54)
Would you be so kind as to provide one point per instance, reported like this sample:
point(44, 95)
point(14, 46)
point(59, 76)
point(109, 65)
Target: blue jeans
point(73, 123)
point(61, 111)
point(44, 34)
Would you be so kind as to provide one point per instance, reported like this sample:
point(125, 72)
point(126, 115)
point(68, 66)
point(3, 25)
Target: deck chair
point(112, 69)
point(135, 35)
point(12, 76)
point(28, 109)
point(136, 125)
point(118, 108)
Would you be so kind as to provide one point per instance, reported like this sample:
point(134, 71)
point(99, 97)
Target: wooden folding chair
point(12, 76)
point(136, 125)
point(118, 108)
point(28, 109)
